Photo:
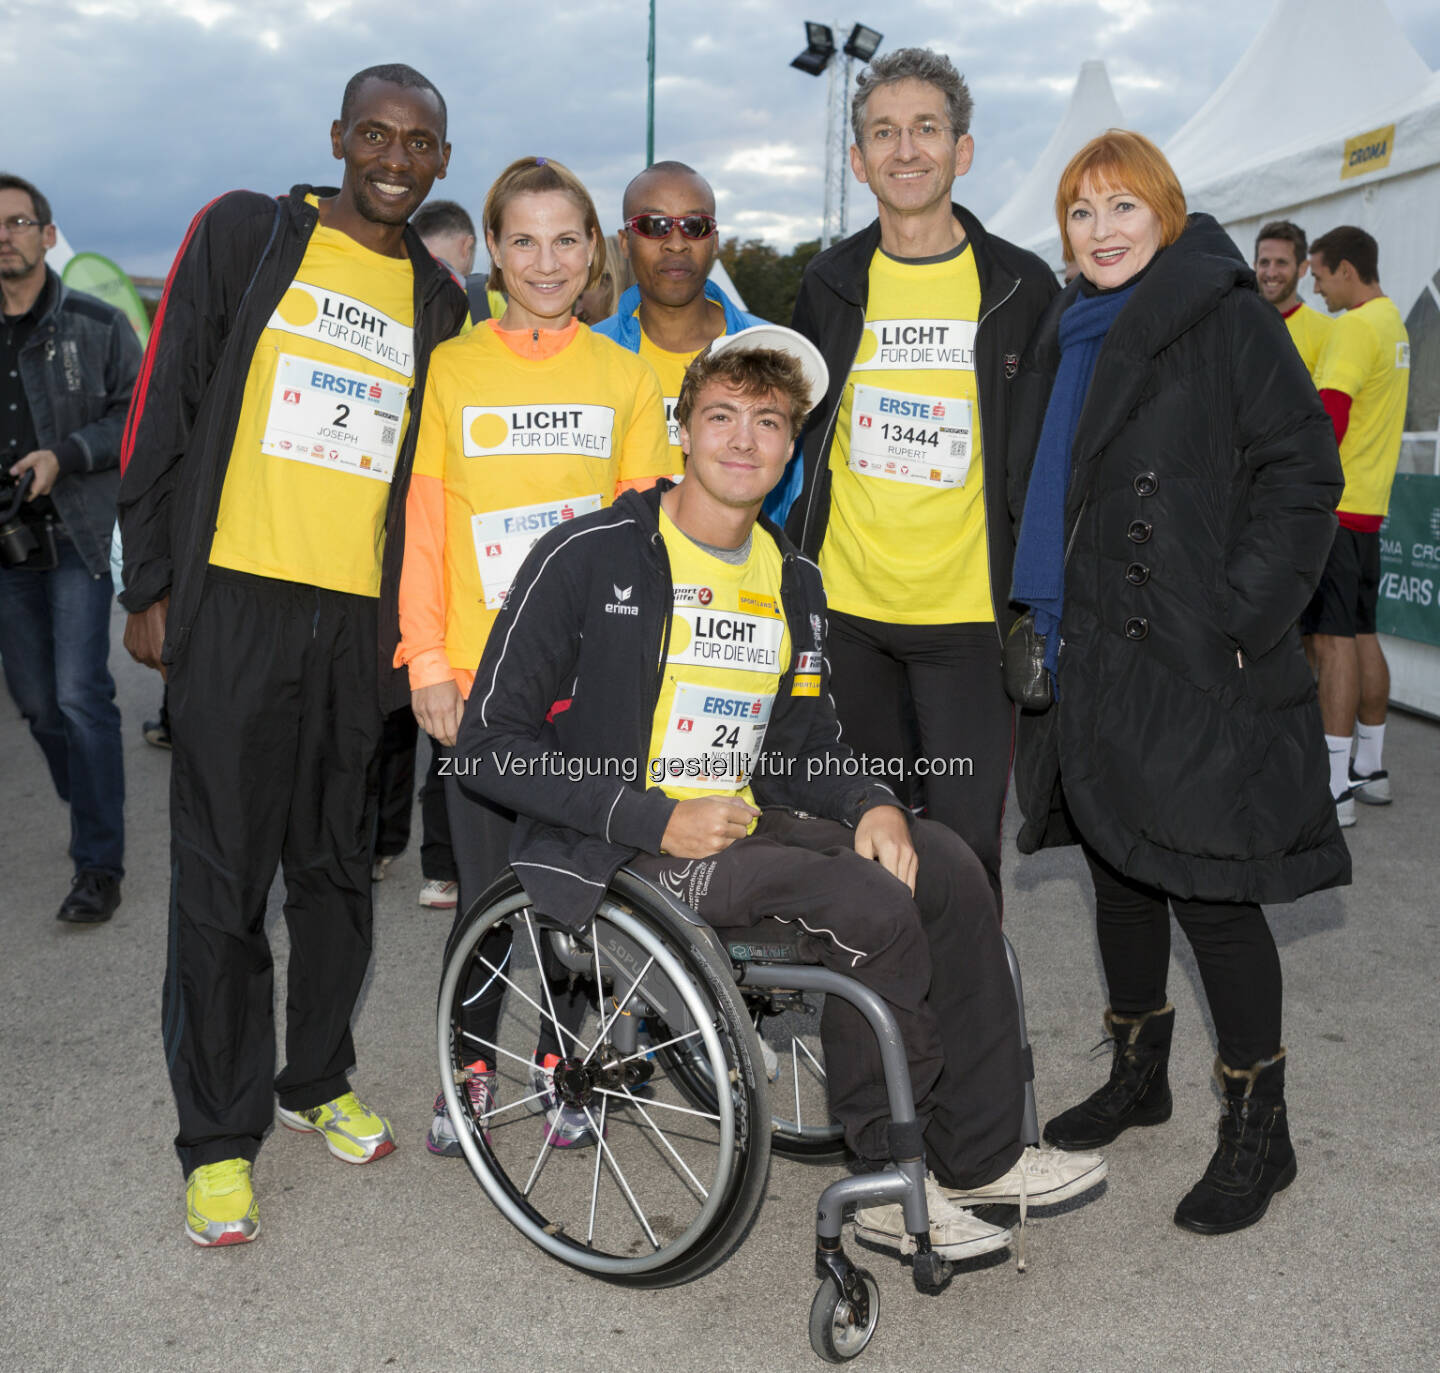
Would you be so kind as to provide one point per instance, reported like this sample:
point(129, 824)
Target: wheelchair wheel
point(840, 1327)
point(671, 1186)
point(789, 1031)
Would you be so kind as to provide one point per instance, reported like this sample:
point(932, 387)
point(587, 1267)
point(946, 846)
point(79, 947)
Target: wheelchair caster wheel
point(841, 1323)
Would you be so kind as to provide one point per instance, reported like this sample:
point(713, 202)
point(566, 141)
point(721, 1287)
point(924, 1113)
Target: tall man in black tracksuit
point(922, 318)
point(732, 752)
point(265, 462)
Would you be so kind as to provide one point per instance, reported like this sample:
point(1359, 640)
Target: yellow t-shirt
point(321, 424)
point(906, 540)
point(729, 647)
point(521, 445)
point(1309, 330)
point(670, 369)
point(1368, 358)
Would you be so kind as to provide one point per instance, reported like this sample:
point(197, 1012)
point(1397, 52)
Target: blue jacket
point(624, 327)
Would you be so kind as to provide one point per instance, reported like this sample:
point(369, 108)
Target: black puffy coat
point(1201, 503)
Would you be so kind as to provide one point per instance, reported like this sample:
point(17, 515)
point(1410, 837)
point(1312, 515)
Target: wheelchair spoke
point(620, 1003)
point(529, 1000)
point(636, 1104)
point(594, 1191)
point(619, 1174)
point(795, 1072)
point(545, 1152)
point(663, 1105)
point(545, 984)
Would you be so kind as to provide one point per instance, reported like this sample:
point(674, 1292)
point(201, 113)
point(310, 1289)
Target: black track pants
point(276, 729)
point(932, 697)
point(938, 959)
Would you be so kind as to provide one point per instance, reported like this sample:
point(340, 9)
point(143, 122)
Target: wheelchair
point(676, 1072)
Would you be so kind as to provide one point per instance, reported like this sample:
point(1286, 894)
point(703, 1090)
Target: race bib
point(916, 345)
point(900, 437)
point(504, 537)
point(341, 320)
point(331, 417)
point(492, 431)
point(713, 737)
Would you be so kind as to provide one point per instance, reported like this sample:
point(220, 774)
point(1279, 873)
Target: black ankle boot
point(1138, 1092)
point(1254, 1159)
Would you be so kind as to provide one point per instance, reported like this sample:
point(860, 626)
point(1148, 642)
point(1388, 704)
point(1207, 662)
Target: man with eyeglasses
point(67, 366)
point(922, 317)
point(674, 310)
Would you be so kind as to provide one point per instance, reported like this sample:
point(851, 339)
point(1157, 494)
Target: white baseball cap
point(779, 339)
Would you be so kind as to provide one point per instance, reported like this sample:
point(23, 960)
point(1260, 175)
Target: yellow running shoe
point(220, 1204)
point(352, 1131)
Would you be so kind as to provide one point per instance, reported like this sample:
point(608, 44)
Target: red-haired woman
point(1175, 494)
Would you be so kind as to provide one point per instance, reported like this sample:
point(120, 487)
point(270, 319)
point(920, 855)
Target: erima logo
point(618, 606)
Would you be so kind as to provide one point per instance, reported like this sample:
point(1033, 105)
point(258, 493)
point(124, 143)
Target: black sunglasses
point(659, 226)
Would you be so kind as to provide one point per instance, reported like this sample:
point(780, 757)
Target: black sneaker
point(92, 900)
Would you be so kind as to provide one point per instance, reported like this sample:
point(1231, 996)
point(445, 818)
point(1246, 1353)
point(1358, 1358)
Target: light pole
point(818, 57)
point(650, 94)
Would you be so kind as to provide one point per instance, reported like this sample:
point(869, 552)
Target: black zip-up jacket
point(1015, 288)
point(239, 258)
point(557, 726)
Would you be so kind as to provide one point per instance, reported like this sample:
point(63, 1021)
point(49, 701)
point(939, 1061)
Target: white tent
point(1030, 212)
point(61, 253)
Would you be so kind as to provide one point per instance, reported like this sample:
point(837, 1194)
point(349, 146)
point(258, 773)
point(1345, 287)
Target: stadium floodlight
point(863, 42)
point(819, 49)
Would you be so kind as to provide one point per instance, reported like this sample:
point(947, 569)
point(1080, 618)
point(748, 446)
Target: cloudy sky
point(131, 114)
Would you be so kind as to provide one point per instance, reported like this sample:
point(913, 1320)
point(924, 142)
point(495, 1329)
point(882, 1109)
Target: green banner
point(1410, 561)
point(98, 276)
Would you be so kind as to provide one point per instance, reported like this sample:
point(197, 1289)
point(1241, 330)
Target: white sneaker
point(438, 895)
point(1345, 808)
point(1039, 1177)
point(1372, 790)
point(955, 1233)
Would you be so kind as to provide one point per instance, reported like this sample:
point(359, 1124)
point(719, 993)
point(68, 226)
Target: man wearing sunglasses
point(922, 318)
point(674, 309)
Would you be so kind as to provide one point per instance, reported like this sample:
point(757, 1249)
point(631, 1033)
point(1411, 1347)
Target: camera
point(26, 540)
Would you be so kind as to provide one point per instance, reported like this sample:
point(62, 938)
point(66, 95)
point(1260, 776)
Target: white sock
point(1339, 763)
point(1369, 749)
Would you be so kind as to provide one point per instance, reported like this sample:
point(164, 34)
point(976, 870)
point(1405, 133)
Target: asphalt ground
point(406, 1265)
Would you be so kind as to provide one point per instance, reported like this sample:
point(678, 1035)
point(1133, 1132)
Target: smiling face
point(544, 253)
point(1335, 287)
point(1113, 233)
point(670, 271)
point(393, 149)
point(910, 175)
point(736, 444)
point(1278, 272)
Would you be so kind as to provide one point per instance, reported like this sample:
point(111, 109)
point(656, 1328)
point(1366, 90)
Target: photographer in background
point(67, 366)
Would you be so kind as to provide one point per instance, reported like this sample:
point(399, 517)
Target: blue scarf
point(1039, 576)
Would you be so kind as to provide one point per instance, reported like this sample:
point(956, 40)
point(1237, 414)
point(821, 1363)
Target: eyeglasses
point(659, 226)
point(926, 134)
point(18, 224)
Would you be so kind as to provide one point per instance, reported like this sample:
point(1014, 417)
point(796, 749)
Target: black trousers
point(938, 959)
point(1234, 950)
point(397, 780)
point(480, 833)
point(276, 729)
point(955, 737)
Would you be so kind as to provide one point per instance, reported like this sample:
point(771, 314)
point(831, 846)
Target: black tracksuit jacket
point(557, 725)
point(238, 259)
point(1015, 288)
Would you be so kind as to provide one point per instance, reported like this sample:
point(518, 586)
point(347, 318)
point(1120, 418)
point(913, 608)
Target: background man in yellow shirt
point(1280, 266)
point(1364, 378)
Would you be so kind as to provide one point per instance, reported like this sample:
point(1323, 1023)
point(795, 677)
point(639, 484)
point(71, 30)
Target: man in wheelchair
point(655, 694)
